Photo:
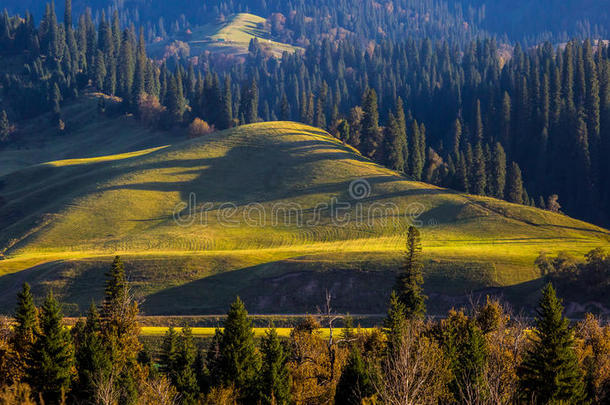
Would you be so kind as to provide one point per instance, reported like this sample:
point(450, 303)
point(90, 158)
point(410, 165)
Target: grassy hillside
point(249, 211)
point(232, 36)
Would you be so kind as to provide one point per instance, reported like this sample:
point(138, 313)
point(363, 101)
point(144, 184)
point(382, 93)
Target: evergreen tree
point(176, 104)
point(120, 331)
point(249, 103)
point(274, 384)
point(514, 184)
point(355, 383)
point(239, 362)
point(5, 127)
point(92, 361)
point(26, 326)
point(550, 372)
point(169, 353)
point(394, 323)
point(284, 108)
point(50, 371)
point(395, 144)
point(371, 133)
point(498, 171)
point(479, 179)
point(416, 154)
point(185, 379)
point(410, 280)
point(225, 120)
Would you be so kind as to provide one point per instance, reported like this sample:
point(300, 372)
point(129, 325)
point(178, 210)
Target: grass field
point(209, 332)
point(252, 211)
point(232, 36)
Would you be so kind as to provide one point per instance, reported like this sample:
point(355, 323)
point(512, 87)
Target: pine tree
point(479, 178)
point(50, 371)
point(284, 108)
point(274, 384)
point(176, 104)
point(249, 103)
point(410, 280)
point(394, 323)
point(239, 362)
point(26, 326)
point(92, 361)
point(457, 136)
point(185, 379)
point(498, 171)
point(395, 144)
point(371, 133)
point(68, 15)
point(478, 123)
point(120, 331)
point(355, 383)
point(5, 127)
point(416, 155)
point(514, 184)
point(225, 119)
point(550, 372)
point(169, 353)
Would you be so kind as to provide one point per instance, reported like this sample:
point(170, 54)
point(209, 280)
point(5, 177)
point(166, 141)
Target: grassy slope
point(65, 219)
point(232, 36)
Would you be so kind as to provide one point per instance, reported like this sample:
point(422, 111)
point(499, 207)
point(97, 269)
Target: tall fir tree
point(479, 178)
point(550, 371)
point(514, 184)
point(356, 381)
point(498, 171)
point(371, 133)
point(409, 281)
point(51, 367)
point(239, 362)
point(274, 376)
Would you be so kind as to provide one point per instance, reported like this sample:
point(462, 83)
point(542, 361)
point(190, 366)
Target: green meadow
point(231, 36)
point(249, 211)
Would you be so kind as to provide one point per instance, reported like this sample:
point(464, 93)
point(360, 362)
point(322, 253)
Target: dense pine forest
point(530, 125)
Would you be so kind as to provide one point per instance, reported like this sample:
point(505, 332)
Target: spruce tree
point(26, 321)
point(498, 171)
point(395, 144)
point(409, 281)
point(394, 323)
point(355, 383)
point(169, 353)
point(550, 371)
point(185, 377)
point(239, 362)
point(514, 184)
point(479, 178)
point(5, 127)
point(225, 119)
point(50, 371)
point(92, 361)
point(371, 133)
point(274, 383)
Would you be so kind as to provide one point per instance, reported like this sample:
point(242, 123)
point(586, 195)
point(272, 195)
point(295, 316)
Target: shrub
point(199, 128)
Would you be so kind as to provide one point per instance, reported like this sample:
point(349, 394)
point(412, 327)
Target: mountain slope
point(276, 212)
point(232, 36)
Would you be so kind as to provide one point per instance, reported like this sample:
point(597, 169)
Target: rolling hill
point(232, 37)
point(275, 212)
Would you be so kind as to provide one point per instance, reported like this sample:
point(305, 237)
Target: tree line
point(533, 128)
point(481, 355)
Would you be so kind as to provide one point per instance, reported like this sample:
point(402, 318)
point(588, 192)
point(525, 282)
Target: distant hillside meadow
point(280, 204)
